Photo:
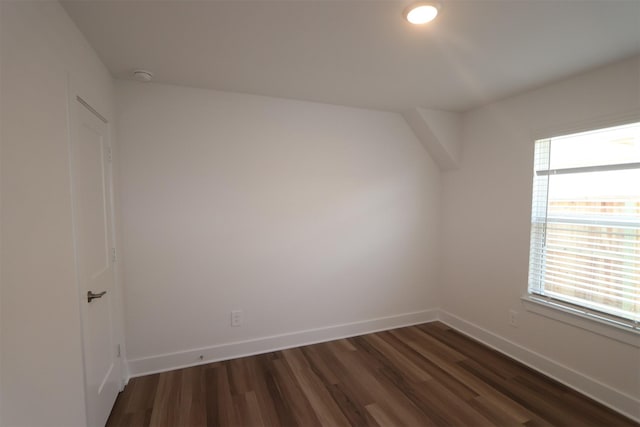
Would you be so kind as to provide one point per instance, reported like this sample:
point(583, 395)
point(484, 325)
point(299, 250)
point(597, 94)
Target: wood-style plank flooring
point(426, 375)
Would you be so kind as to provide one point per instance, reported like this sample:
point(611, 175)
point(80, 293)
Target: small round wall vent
point(142, 75)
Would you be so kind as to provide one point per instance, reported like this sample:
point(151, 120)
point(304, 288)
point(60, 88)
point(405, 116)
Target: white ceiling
point(360, 52)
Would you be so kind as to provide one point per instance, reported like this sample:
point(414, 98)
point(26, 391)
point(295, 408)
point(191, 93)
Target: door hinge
point(113, 254)
point(118, 351)
point(109, 154)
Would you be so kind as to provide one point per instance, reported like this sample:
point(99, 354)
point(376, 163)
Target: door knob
point(91, 296)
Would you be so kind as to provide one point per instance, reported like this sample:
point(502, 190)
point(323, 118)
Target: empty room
point(319, 212)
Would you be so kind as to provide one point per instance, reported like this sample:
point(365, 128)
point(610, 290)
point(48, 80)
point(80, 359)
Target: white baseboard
point(614, 399)
point(232, 350)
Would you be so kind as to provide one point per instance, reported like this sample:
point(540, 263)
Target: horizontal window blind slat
point(601, 222)
point(583, 169)
point(599, 256)
point(626, 251)
point(598, 262)
point(589, 209)
point(590, 292)
point(630, 290)
point(610, 232)
point(623, 280)
point(629, 239)
point(595, 286)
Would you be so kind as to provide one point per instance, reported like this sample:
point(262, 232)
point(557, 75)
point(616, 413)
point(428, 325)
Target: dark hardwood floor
point(426, 375)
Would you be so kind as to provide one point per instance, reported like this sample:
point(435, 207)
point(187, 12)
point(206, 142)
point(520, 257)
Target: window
point(585, 223)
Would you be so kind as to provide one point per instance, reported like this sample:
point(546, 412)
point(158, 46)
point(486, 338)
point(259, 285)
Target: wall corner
point(439, 132)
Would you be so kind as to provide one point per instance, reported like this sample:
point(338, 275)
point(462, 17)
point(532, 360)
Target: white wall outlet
point(513, 318)
point(236, 317)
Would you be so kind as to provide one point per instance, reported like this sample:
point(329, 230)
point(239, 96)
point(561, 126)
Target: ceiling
point(360, 52)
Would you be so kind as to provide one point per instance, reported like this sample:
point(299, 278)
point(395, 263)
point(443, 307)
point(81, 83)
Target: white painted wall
point(41, 371)
point(1, 423)
point(486, 209)
point(303, 215)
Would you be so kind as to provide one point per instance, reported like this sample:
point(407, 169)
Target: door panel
point(92, 215)
point(91, 190)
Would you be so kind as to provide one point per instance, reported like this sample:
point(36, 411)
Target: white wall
point(486, 210)
point(303, 215)
point(42, 380)
point(1, 423)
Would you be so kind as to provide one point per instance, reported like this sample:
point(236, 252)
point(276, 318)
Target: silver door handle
point(91, 296)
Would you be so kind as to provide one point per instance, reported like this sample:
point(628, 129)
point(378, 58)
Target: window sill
point(571, 317)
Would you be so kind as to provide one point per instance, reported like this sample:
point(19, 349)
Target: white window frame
point(565, 312)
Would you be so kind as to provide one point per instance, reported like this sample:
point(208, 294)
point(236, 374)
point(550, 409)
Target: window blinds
point(585, 222)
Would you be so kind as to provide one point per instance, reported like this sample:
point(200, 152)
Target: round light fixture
point(142, 75)
point(421, 12)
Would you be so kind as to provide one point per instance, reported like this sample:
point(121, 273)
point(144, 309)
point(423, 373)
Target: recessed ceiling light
point(421, 12)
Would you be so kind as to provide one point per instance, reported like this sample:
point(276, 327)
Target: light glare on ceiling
point(421, 13)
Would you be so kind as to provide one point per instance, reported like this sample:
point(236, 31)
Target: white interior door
point(91, 190)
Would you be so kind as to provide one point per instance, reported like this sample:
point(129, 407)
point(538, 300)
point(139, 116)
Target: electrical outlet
point(513, 318)
point(236, 317)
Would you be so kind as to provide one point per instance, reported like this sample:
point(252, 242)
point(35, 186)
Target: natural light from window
point(585, 233)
